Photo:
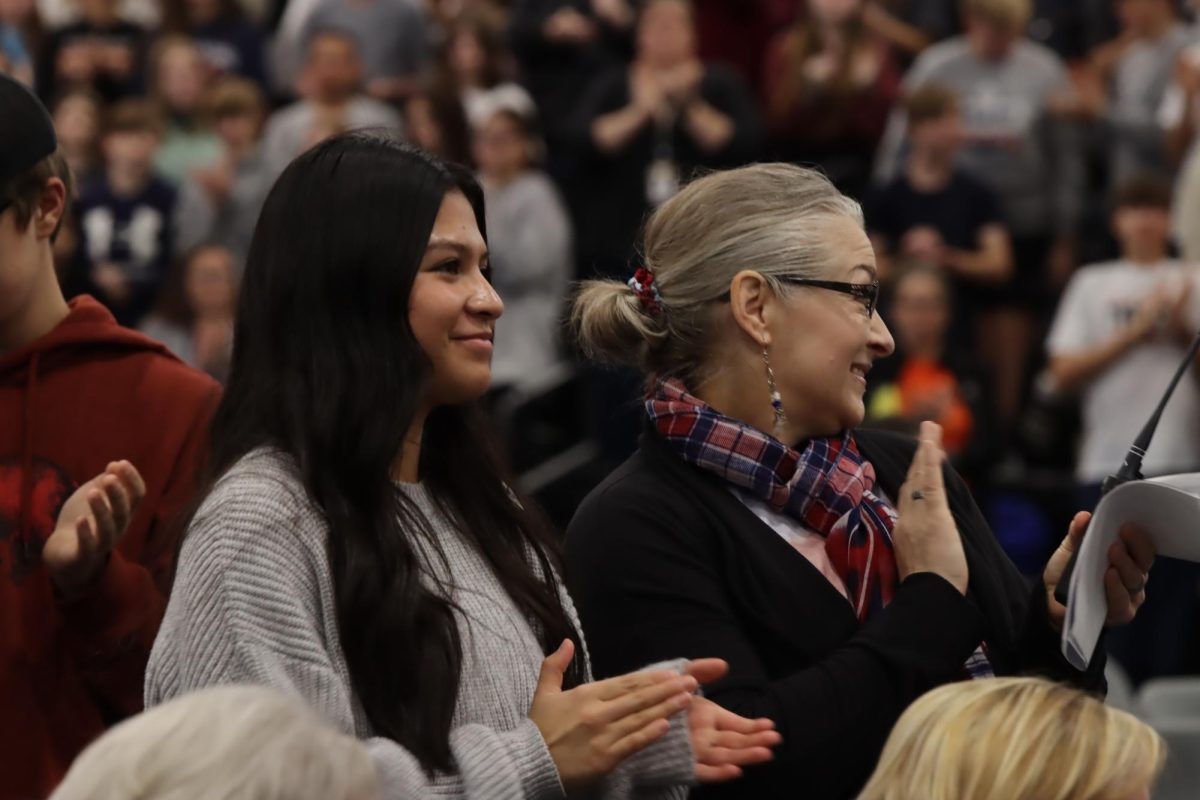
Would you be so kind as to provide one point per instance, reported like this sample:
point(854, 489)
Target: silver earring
point(776, 399)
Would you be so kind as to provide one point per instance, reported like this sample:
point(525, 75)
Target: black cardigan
point(663, 561)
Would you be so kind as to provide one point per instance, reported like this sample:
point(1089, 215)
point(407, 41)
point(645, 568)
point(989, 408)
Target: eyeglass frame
point(867, 292)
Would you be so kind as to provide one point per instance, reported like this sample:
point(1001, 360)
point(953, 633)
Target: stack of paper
point(1168, 509)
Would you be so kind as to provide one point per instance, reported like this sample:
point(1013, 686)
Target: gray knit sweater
point(253, 602)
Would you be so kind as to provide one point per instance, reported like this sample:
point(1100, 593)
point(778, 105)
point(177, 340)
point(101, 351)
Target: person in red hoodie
point(86, 544)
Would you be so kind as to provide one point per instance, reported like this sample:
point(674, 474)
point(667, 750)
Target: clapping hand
point(89, 526)
point(723, 741)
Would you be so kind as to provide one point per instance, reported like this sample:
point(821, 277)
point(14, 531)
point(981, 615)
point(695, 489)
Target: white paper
point(1168, 509)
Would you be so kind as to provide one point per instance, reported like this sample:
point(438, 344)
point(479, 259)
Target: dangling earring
point(776, 399)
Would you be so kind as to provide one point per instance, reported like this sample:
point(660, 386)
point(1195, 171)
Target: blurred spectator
point(229, 42)
point(125, 214)
point(828, 88)
point(648, 127)
point(1030, 157)
point(561, 45)
point(231, 742)
point(194, 313)
point(931, 376)
point(220, 204)
point(1006, 738)
point(736, 33)
point(334, 102)
point(56, 14)
point(910, 26)
point(435, 121)
point(16, 58)
point(103, 50)
point(936, 212)
point(1123, 87)
point(1179, 116)
point(391, 37)
point(178, 81)
point(474, 65)
point(77, 123)
point(1121, 331)
point(529, 240)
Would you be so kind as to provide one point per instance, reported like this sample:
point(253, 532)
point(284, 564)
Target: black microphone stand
point(1131, 470)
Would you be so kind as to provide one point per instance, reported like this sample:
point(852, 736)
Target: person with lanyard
point(357, 543)
point(841, 573)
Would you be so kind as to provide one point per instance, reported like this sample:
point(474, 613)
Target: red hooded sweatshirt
point(87, 393)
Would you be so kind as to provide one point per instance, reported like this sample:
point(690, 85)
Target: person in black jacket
point(841, 573)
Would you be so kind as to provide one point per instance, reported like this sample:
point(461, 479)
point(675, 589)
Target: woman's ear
point(749, 299)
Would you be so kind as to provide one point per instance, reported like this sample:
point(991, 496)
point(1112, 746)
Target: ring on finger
point(917, 494)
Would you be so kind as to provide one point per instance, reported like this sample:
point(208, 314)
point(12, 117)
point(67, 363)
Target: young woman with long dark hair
point(358, 544)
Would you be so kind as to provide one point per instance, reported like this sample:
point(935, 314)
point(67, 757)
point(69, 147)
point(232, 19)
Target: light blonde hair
point(1015, 739)
point(1011, 15)
point(766, 217)
point(223, 743)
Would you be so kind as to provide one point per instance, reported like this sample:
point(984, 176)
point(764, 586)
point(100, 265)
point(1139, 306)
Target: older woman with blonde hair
point(1016, 738)
point(841, 573)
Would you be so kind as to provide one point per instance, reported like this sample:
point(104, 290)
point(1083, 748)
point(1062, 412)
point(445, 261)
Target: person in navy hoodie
point(125, 215)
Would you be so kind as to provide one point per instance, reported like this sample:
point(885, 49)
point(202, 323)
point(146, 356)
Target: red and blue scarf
point(828, 486)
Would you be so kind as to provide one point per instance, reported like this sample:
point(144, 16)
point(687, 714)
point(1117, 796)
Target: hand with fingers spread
point(926, 538)
point(592, 728)
point(89, 526)
point(722, 741)
point(1129, 561)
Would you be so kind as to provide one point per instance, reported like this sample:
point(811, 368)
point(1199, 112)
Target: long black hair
point(326, 369)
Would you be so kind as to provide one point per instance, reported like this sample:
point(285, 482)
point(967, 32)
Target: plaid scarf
point(827, 486)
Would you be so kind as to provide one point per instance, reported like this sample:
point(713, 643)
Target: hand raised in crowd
point(926, 538)
point(646, 91)
point(1152, 317)
point(617, 13)
point(568, 26)
point(680, 84)
point(1187, 73)
point(115, 59)
point(75, 62)
point(113, 281)
point(1129, 561)
point(925, 243)
point(592, 728)
point(1181, 326)
point(91, 522)
point(216, 181)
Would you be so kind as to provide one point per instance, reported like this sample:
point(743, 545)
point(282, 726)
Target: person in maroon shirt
point(86, 539)
point(829, 83)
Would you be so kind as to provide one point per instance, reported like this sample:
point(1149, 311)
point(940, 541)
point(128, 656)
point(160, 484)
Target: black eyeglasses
point(866, 293)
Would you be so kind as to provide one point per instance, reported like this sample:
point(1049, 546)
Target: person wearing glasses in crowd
point(840, 572)
point(357, 543)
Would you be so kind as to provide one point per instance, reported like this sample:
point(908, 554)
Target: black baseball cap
point(26, 131)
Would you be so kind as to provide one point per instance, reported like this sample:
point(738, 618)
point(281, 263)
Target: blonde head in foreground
point(1015, 739)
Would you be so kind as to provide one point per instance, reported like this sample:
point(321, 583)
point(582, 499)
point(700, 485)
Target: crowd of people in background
point(1029, 172)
